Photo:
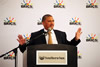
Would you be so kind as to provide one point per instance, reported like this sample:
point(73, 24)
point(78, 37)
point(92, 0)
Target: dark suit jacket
point(38, 38)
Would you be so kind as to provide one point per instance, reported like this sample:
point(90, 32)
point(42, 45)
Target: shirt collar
point(46, 30)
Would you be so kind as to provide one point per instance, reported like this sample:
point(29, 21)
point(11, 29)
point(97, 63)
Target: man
point(56, 36)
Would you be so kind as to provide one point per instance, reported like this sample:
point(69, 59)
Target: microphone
point(49, 29)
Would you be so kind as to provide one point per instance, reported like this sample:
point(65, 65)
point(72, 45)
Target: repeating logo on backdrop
point(92, 4)
point(26, 4)
point(10, 21)
point(39, 22)
point(79, 55)
point(75, 21)
point(91, 38)
point(10, 56)
point(27, 38)
point(59, 4)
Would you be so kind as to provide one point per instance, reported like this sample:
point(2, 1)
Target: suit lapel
point(43, 40)
point(58, 36)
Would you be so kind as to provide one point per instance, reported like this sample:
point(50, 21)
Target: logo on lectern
point(41, 58)
point(51, 58)
point(47, 57)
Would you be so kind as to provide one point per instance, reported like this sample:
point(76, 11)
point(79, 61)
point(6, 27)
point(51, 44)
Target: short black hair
point(46, 15)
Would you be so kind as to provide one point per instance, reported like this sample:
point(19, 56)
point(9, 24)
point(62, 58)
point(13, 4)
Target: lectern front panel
point(47, 56)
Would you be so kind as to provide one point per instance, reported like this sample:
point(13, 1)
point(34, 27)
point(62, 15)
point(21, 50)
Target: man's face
point(48, 23)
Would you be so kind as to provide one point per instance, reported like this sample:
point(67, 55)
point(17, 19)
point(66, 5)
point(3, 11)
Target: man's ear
point(42, 23)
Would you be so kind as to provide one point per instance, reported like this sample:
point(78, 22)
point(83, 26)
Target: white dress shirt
point(54, 40)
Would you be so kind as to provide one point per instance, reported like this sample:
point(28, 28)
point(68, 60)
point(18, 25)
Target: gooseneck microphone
point(49, 29)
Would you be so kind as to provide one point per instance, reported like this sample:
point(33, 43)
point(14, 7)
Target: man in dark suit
point(58, 37)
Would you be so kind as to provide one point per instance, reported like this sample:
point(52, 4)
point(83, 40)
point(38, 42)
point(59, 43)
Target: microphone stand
point(15, 51)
